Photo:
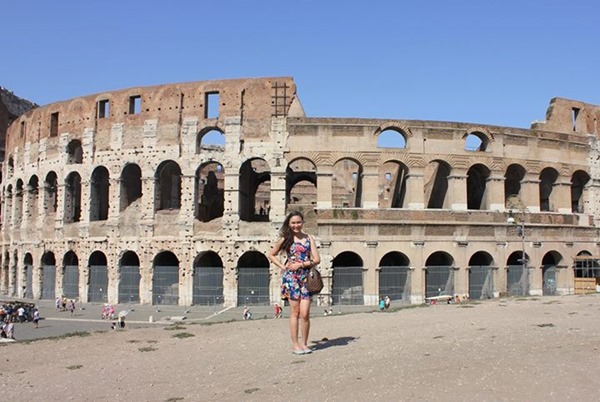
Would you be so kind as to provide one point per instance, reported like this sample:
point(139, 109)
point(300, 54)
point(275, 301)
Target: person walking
point(36, 318)
point(301, 253)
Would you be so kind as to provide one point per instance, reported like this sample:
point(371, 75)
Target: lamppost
point(514, 202)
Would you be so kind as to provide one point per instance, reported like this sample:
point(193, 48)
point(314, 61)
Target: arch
point(129, 278)
point(210, 139)
point(346, 184)
point(391, 137)
point(18, 207)
point(476, 141)
point(48, 276)
point(50, 189)
point(392, 184)
point(253, 279)
point(165, 279)
point(517, 276)
point(210, 191)
point(167, 193)
point(98, 278)
point(548, 178)
point(481, 276)
point(74, 152)
point(513, 178)
point(32, 197)
point(578, 181)
point(439, 275)
point(394, 276)
point(131, 185)
point(208, 279)
point(348, 280)
point(550, 263)
point(99, 194)
point(70, 269)
point(301, 186)
point(28, 268)
point(436, 183)
point(72, 198)
point(586, 266)
point(477, 177)
point(255, 190)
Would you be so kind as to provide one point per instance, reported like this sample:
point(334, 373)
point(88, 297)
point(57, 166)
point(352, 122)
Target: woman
point(301, 253)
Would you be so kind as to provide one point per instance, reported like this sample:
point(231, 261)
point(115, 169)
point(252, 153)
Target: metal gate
point(208, 286)
point(165, 285)
point(29, 282)
point(439, 280)
point(549, 286)
point(48, 282)
point(394, 282)
point(481, 282)
point(517, 280)
point(348, 286)
point(71, 281)
point(129, 284)
point(97, 291)
point(253, 286)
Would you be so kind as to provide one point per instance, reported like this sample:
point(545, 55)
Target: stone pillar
point(324, 183)
point(186, 277)
point(461, 269)
point(185, 219)
point(147, 206)
point(457, 192)
point(60, 206)
point(36, 284)
point(370, 275)
point(417, 274)
point(415, 194)
point(370, 187)
point(530, 192)
point(326, 269)
point(494, 194)
point(560, 199)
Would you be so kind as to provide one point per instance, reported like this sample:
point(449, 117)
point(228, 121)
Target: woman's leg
point(305, 321)
point(294, 314)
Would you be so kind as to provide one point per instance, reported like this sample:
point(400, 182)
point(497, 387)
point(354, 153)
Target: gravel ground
point(534, 349)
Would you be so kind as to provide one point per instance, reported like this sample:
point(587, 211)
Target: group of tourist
point(16, 312)
point(63, 304)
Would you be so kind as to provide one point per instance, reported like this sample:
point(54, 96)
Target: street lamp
point(515, 201)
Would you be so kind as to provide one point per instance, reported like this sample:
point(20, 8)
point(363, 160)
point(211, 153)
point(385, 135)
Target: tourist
point(301, 253)
point(247, 315)
point(381, 304)
point(387, 302)
point(278, 310)
point(36, 317)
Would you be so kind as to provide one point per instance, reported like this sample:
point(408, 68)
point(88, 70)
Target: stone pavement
point(87, 316)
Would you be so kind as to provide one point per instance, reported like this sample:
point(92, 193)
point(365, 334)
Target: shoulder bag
point(314, 282)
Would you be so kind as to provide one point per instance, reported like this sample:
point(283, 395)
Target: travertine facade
point(174, 193)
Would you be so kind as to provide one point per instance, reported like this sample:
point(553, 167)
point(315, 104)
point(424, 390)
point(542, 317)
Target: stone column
point(324, 183)
point(417, 274)
point(494, 193)
point(370, 187)
point(561, 196)
point(415, 194)
point(457, 192)
point(530, 192)
point(370, 275)
point(461, 269)
point(185, 219)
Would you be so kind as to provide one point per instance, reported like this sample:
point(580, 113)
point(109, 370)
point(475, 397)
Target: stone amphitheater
point(172, 194)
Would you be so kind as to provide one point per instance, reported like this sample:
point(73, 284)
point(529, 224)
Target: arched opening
point(255, 191)
point(18, 207)
point(99, 188)
point(394, 277)
point(131, 185)
point(168, 186)
point(346, 184)
point(392, 184)
point(208, 279)
point(436, 183)
point(48, 276)
point(481, 276)
point(129, 278)
point(439, 275)
point(210, 191)
point(70, 275)
point(74, 152)
point(476, 142)
point(72, 198)
point(50, 187)
point(28, 285)
point(32, 198)
point(165, 279)
point(391, 138)
point(210, 139)
point(301, 190)
point(548, 178)
point(347, 279)
point(517, 275)
point(98, 279)
point(550, 264)
point(512, 180)
point(253, 279)
point(578, 182)
point(8, 203)
point(477, 178)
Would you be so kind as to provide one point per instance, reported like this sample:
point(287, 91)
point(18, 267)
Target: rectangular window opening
point(103, 109)
point(135, 104)
point(54, 124)
point(574, 116)
point(211, 102)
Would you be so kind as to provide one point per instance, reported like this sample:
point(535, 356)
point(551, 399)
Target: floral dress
point(293, 283)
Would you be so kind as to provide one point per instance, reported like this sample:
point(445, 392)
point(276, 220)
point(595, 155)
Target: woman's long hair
point(286, 231)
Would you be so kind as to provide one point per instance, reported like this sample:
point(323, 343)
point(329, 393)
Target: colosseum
point(173, 194)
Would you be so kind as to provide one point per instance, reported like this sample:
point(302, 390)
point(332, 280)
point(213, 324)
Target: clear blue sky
point(488, 62)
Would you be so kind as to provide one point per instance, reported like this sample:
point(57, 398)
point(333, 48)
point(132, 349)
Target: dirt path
point(528, 349)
